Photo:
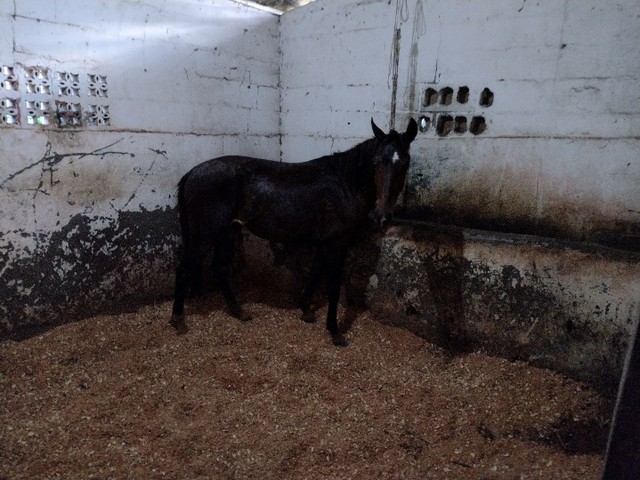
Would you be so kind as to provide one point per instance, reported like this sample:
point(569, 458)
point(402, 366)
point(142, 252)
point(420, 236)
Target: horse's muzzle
point(379, 218)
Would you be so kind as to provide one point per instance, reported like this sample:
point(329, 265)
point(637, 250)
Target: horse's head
point(391, 162)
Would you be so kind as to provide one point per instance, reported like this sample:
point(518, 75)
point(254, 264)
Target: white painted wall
point(560, 157)
point(186, 81)
point(189, 80)
point(560, 153)
point(334, 76)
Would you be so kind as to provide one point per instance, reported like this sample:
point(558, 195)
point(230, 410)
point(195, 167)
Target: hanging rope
point(419, 29)
point(402, 15)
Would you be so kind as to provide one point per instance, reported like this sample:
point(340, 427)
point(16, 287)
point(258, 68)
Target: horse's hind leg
point(335, 267)
point(196, 281)
point(223, 252)
point(184, 273)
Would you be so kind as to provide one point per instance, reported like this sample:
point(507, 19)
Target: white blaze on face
point(395, 157)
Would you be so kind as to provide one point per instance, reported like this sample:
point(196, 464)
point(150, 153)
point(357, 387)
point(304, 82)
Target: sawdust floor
point(124, 397)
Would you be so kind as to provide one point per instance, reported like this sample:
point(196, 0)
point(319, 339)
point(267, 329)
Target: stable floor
point(125, 397)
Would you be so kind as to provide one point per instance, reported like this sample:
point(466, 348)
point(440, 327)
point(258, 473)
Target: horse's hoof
point(241, 315)
point(178, 324)
point(308, 317)
point(339, 340)
point(195, 292)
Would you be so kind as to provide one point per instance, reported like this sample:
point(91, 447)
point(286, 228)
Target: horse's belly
point(310, 224)
point(296, 211)
point(281, 226)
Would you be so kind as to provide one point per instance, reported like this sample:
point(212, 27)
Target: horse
point(323, 203)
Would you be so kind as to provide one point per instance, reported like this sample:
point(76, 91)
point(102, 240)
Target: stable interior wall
point(526, 165)
point(530, 110)
point(334, 75)
point(529, 114)
point(105, 105)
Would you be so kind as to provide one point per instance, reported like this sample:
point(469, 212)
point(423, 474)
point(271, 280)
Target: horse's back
point(277, 201)
point(211, 170)
point(209, 195)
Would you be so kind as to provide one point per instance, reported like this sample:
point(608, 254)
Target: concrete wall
point(531, 119)
point(557, 304)
point(334, 75)
point(555, 148)
point(88, 220)
point(549, 148)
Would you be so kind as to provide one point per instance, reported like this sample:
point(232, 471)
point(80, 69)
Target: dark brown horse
point(323, 202)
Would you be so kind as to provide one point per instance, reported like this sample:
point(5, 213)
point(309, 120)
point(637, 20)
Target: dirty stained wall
point(105, 105)
point(556, 304)
point(529, 112)
point(531, 109)
point(530, 129)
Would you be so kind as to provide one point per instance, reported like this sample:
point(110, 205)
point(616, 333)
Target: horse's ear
point(412, 131)
point(380, 135)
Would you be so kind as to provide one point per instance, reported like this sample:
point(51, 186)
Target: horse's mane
point(349, 162)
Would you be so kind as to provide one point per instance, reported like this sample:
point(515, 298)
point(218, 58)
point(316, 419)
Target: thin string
point(402, 15)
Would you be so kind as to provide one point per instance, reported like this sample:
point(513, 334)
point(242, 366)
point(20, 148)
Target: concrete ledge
point(561, 305)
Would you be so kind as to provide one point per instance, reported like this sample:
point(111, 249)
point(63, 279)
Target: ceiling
point(283, 5)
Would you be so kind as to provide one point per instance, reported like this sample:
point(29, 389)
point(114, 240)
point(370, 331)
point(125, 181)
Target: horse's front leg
point(335, 267)
point(184, 273)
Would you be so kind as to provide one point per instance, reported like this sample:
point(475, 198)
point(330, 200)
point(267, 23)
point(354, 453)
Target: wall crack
point(51, 159)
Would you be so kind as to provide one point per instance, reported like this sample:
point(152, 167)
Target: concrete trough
point(562, 305)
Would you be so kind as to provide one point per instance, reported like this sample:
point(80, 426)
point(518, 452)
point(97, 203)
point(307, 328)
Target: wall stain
point(92, 265)
point(506, 200)
point(437, 282)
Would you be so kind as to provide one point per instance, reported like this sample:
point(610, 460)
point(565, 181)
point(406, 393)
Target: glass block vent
point(9, 112)
point(38, 112)
point(97, 115)
point(33, 96)
point(8, 78)
point(68, 114)
point(97, 85)
point(37, 80)
point(68, 84)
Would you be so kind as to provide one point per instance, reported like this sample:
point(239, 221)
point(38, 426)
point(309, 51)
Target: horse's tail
point(182, 211)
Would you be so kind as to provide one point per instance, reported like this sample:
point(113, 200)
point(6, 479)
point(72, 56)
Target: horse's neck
point(355, 166)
